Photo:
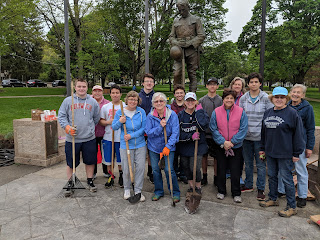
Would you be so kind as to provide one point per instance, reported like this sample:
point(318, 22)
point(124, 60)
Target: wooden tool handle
point(73, 140)
point(195, 162)
point(112, 148)
point(127, 146)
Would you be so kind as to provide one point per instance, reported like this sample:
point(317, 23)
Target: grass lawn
point(31, 91)
point(15, 108)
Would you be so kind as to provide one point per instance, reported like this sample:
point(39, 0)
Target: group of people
point(235, 129)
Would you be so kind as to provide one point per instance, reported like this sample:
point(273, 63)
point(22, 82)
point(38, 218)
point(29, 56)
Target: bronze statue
point(185, 39)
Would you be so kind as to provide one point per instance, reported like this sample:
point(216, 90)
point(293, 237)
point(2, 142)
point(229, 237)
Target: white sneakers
point(126, 194)
point(237, 199)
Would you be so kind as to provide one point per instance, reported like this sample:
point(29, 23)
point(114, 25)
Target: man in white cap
point(97, 94)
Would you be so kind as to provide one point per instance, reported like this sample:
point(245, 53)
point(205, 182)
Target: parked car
point(12, 83)
point(58, 83)
point(36, 83)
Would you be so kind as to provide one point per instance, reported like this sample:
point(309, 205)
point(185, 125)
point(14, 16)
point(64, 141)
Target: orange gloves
point(166, 151)
point(71, 130)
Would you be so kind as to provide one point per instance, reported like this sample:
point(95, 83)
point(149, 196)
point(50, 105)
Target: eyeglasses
point(132, 100)
point(280, 96)
point(159, 101)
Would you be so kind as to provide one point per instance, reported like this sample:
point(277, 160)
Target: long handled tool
point(194, 199)
point(110, 180)
point(75, 182)
point(169, 167)
point(134, 198)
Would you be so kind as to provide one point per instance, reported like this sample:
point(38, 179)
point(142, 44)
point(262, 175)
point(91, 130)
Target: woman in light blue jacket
point(161, 117)
point(135, 120)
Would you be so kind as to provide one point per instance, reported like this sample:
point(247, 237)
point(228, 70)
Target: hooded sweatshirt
point(155, 131)
point(86, 117)
point(282, 133)
point(254, 112)
point(146, 100)
point(305, 111)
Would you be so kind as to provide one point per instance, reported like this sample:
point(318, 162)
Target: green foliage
point(293, 47)
point(223, 61)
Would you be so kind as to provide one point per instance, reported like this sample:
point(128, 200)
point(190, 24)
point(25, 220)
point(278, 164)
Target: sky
point(240, 12)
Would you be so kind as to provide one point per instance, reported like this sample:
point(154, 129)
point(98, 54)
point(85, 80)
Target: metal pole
point(146, 38)
point(67, 48)
point(263, 40)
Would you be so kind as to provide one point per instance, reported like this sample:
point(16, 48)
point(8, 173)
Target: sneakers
point(237, 199)
point(91, 186)
point(261, 196)
point(176, 199)
point(120, 180)
point(204, 180)
point(142, 198)
point(288, 212)
point(156, 197)
point(245, 189)
point(220, 196)
point(281, 195)
point(301, 202)
point(126, 194)
point(268, 203)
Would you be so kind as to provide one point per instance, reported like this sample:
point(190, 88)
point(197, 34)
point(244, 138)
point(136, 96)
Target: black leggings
point(234, 163)
point(187, 164)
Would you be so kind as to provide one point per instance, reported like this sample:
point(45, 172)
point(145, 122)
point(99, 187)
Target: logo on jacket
point(273, 121)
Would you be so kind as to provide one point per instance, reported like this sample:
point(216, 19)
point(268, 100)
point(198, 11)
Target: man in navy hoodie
point(86, 117)
point(146, 94)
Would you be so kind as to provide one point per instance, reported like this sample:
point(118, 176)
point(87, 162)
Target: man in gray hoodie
point(86, 117)
point(254, 102)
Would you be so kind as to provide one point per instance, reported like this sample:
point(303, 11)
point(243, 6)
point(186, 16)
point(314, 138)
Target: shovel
point(135, 198)
point(110, 180)
point(169, 167)
point(194, 198)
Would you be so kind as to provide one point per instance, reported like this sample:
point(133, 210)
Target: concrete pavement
point(31, 209)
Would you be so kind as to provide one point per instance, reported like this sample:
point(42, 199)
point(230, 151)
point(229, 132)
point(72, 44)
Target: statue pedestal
point(36, 143)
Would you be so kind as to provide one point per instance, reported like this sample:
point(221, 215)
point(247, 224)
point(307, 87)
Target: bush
point(7, 141)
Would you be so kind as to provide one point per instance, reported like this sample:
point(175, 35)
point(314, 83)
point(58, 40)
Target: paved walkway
point(31, 209)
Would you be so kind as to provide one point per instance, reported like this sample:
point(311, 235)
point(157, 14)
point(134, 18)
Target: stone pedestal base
point(36, 143)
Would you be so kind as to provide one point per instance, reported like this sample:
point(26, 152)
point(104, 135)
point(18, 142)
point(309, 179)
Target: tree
point(223, 61)
point(52, 12)
point(291, 47)
point(20, 39)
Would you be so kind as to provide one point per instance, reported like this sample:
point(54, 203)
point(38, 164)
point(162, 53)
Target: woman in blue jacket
point(160, 118)
point(135, 120)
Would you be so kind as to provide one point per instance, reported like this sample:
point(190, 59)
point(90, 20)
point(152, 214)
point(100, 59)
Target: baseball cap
point(280, 91)
point(97, 87)
point(190, 95)
point(212, 79)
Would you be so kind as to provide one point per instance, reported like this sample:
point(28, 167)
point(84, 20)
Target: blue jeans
point(282, 166)
point(250, 150)
point(157, 175)
point(302, 175)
